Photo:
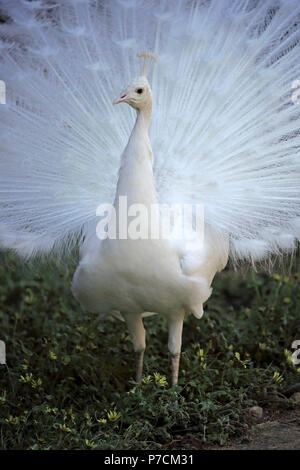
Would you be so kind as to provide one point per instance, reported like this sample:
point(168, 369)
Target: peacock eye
point(139, 91)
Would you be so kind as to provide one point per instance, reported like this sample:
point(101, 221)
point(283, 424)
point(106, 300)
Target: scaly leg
point(174, 343)
point(138, 337)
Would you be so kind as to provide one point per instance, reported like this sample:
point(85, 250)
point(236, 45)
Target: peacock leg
point(174, 344)
point(139, 366)
point(138, 337)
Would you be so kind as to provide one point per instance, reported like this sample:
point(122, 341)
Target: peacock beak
point(121, 98)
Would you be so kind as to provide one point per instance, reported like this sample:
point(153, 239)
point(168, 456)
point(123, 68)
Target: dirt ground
point(277, 430)
point(280, 432)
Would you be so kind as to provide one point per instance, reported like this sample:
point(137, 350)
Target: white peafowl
point(224, 131)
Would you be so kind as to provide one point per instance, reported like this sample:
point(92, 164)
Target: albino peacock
point(224, 131)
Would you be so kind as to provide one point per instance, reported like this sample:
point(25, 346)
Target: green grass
point(68, 380)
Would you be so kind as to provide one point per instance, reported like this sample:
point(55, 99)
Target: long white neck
point(135, 174)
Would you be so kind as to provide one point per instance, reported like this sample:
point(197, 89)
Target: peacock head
point(138, 93)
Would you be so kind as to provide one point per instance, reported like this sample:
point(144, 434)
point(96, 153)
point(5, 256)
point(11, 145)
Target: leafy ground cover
point(68, 379)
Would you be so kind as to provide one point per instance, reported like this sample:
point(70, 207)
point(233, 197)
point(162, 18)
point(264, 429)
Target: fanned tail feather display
point(225, 130)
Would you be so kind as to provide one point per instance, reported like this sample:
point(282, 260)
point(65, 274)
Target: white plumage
point(224, 133)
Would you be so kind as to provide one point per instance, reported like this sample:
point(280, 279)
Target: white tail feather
point(225, 130)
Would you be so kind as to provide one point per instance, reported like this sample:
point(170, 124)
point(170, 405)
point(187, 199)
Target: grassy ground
point(68, 380)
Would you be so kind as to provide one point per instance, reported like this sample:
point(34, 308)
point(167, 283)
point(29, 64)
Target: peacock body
point(224, 133)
